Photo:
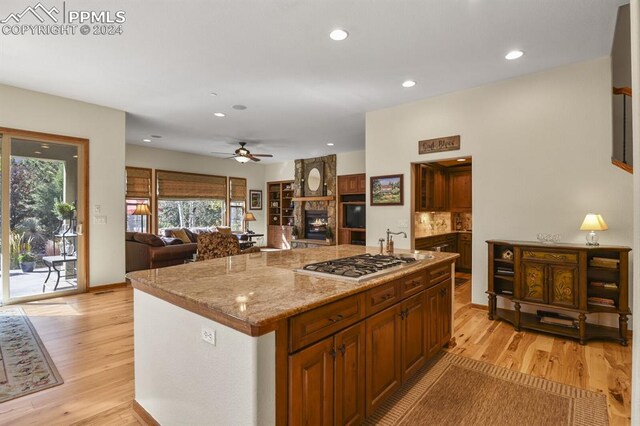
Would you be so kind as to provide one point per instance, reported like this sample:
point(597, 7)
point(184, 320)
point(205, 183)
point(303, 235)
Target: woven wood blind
point(138, 183)
point(186, 186)
point(237, 189)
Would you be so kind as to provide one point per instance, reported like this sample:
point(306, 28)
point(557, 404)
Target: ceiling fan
point(243, 155)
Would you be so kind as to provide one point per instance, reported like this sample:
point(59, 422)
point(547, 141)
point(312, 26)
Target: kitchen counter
point(443, 233)
point(252, 292)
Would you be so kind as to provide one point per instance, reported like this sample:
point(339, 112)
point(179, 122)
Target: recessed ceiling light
point(45, 146)
point(461, 160)
point(213, 94)
point(38, 152)
point(75, 156)
point(330, 144)
point(338, 34)
point(156, 136)
point(219, 114)
point(408, 83)
point(514, 54)
point(239, 107)
point(146, 140)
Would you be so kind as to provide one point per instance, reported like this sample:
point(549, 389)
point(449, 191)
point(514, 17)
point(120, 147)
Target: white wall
point(140, 156)
point(347, 163)
point(105, 129)
point(635, 76)
point(541, 148)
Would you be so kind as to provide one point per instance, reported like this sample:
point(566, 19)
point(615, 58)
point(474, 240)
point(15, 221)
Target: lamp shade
point(593, 222)
point(141, 210)
point(249, 217)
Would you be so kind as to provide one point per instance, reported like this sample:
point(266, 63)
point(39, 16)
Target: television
point(354, 216)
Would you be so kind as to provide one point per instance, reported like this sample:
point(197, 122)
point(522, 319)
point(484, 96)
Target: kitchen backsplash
point(434, 223)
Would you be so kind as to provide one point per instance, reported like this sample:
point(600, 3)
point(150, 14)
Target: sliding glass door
point(43, 209)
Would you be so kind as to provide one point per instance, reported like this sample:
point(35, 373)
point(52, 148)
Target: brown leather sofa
point(148, 251)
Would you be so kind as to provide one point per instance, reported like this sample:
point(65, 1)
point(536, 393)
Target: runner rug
point(453, 390)
point(25, 365)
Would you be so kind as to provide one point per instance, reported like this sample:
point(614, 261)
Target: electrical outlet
point(97, 209)
point(99, 220)
point(403, 223)
point(208, 335)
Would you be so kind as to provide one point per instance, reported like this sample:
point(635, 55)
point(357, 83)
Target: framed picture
point(255, 199)
point(387, 190)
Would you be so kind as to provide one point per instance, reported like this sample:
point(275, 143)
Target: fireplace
point(315, 224)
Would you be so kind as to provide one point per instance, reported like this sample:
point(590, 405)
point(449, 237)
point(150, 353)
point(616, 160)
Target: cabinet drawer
point(312, 326)
point(382, 297)
point(439, 274)
point(413, 283)
point(464, 236)
point(553, 256)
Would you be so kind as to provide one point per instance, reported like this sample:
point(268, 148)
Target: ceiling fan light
point(241, 159)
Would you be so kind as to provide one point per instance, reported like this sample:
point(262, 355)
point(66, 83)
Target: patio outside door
point(43, 209)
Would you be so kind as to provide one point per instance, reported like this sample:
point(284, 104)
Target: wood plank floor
point(90, 339)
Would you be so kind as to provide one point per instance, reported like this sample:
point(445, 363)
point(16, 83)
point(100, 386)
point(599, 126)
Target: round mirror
point(313, 180)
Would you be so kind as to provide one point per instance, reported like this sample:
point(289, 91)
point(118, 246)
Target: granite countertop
point(253, 292)
point(444, 233)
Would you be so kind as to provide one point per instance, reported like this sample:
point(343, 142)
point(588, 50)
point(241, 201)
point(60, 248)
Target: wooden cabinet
point(279, 214)
point(460, 189)
point(465, 251)
point(438, 308)
point(327, 380)
point(361, 183)
point(351, 193)
point(414, 317)
point(431, 188)
point(575, 280)
point(352, 184)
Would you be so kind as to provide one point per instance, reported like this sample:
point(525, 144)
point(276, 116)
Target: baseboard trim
point(107, 287)
point(481, 307)
point(142, 415)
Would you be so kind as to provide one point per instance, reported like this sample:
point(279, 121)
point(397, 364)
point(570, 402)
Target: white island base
point(180, 379)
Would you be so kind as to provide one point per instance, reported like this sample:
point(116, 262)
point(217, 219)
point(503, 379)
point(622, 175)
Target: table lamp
point(593, 222)
point(248, 217)
point(141, 210)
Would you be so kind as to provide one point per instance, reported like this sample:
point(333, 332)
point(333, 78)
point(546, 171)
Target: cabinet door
point(311, 372)
point(361, 183)
point(465, 255)
point(350, 386)
point(414, 335)
point(532, 282)
point(444, 312)
point(460, 190)
point(439, 190)
point(343, 184)
point(352, 183)
point(383, 364)
point(344, 236)
point(563, 285)
point(433, 337)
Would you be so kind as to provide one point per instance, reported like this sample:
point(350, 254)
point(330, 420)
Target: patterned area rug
point(452, 390)
point(25, 365)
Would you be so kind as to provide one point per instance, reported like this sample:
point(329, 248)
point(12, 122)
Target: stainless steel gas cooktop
point(359, 268)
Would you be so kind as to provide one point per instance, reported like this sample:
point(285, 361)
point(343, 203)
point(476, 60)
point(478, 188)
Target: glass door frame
point(82, 210)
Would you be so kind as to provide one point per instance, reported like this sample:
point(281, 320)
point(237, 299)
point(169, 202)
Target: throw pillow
point(193, 237)
point(150, 239)
point(223, 229)
point(171, 241)
point(179, 233)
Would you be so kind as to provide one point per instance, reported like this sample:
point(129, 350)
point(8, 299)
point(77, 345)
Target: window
point(138, 199)
point(189, 200)
point(238, 203)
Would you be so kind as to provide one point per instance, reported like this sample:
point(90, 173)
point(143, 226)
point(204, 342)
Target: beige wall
point(541, 148)
point(140, 156)
point(105, 129)
point(635, 76)
point(347, 163)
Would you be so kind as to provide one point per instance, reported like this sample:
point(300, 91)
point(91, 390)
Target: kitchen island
point(248, 340)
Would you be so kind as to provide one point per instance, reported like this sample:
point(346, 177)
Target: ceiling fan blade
point(221, 153)
point(228, 158)
point(254, 158)
point(262, 155)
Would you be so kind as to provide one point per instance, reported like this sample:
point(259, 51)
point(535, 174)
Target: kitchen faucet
point(390, 239)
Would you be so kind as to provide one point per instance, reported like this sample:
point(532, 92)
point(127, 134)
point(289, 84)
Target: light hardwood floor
point(90, 339)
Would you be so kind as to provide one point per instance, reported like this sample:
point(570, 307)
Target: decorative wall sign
point(449, 143)
point(255, 199)
point(386, 190)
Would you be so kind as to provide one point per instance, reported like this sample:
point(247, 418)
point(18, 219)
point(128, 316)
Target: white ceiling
point(302, 89)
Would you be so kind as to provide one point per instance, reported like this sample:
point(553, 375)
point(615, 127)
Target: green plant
point(18, 244)
point(328, 233)
point(64, 210)
point(26, 257)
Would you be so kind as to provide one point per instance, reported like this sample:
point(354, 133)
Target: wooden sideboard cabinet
point(572, 281)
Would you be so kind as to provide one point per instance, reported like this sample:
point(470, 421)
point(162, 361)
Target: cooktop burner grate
point(358, 266)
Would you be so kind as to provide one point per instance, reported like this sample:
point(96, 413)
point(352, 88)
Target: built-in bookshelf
point(562, 284)
point(280, 218)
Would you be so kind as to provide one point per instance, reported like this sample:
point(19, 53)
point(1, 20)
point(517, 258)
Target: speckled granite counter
point(252, 292)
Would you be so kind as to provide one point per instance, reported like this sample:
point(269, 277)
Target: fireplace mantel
point(324, 198)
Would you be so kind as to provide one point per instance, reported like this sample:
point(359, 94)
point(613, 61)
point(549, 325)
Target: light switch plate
point(403, 223)
point(97, 209)
point(208, 335)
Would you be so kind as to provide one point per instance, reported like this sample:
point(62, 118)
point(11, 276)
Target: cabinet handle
point(404, 313)
point(342, 349)
point(387, 296)
point(333, 352)
point(401, 315)
point(338, 317)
